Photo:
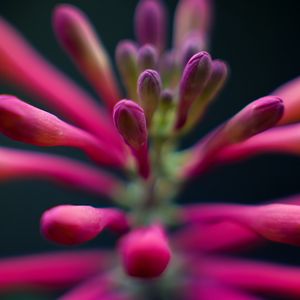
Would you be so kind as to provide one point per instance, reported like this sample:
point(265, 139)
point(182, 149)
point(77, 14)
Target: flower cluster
point(164, 250)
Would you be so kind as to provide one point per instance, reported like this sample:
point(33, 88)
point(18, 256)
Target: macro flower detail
point(162, 249)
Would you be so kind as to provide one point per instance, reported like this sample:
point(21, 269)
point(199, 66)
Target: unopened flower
point(174, 251)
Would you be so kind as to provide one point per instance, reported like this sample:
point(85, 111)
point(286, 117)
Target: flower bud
point(147, 58)
point(254, 118)
point(150, 23)
point(26, 123)
point(78, 38)
point(74, 225)
point(194, 78)
point(126, 58)
point(145, 252)
point(193, 17)
point(130, 121)
point(149, 89)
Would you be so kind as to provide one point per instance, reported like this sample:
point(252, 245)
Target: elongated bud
point(150, 23)
point(25, 123)
point(169, 69)
point(145, 252)
point(78, 38)
point(147, 58)
point(74, 225)
point(194, 78)
point(129, 119)
point(149, 89)
point(213, 86)
point(254, 118)
point(193, 17)
point(275, 222)
point(126, 58)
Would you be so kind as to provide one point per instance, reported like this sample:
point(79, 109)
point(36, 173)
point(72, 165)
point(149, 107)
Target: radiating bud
point(130, 120)
point(193, 17)
point(145, 252)
point(194, 78)
point(191, 46)
point(254, 118)
point(74, 225)
point(166, 100)
point(213, 86)
point(78, 38)
point(149, 89)
point(147, 58)
point(126, 58)
point(26, 123)
point(169, 69)
point(150, 23)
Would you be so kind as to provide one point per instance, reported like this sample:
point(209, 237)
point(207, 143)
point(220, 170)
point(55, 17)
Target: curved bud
point(147, 58)
point(25, 123)
point(151, 23)
point(256, 117)
point(194, 78)
point(126, 58)
point(78, 38)
point(130, 121)
point(145, 252)
point(74, 225)
point(213, 86)
point(149, 89)
point(193, 17)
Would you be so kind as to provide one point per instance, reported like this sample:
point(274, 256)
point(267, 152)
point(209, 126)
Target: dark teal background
point(260, 41)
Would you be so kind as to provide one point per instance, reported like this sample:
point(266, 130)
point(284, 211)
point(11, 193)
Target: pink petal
point(21, 164)
point(53, 270)
point(21, 64)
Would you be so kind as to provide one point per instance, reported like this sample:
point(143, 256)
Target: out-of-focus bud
point(194, 78)
point(193, 17)
point(213, 86)
point(126, 58)
point(254, 118)
point(74, 225)
point(151, 23)
point(169, 69)
point(147, 58)
point(129, 119)
point(149, 89)
point(145, 252)
point(26, 123)
point(78, 38)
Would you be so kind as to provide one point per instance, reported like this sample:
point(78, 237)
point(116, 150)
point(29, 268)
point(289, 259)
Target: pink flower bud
point(147, 58)
point(78, 38)
point(25, 123)
point(150, 23)
point(74, 225)
point(145, 252)
point(193, 17)
point(194, 78)
point(126, 58)
point(149, 89)
point(129, 119)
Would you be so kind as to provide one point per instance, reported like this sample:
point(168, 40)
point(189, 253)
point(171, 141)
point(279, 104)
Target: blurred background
point(260, 41)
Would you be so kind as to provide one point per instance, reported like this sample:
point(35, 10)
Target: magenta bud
point(129, 119)
point(145, 252)
point(194, 78)
point(126, 58)
point(149, 89)
point(256, 117)
point(150, 23)
point(147, 58)
point(74, 225)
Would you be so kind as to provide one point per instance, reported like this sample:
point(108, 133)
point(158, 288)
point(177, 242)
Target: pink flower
point(165, 249)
